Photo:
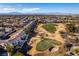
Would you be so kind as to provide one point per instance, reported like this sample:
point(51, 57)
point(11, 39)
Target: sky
point(40, 8)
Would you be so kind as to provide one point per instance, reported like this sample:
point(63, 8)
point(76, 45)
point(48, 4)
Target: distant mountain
point(15, 13)
point(48, 13)
point(11, 13)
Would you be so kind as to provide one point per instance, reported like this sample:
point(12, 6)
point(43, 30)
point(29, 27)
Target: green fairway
point(50, 27)
point(56, 42)
point(46, 43)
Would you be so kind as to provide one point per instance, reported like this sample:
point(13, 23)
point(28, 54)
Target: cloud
point(22, 10)
point(6, 9)
point(30, 9)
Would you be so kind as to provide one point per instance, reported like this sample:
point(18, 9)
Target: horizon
point(42, 8)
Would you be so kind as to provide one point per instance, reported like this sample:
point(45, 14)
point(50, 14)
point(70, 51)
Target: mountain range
point(49, 13)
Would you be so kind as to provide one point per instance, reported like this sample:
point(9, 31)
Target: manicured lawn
point(50, 27)
point(45, 44)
